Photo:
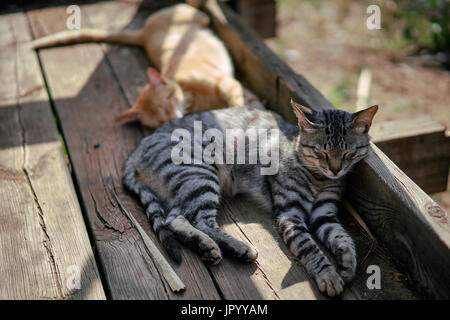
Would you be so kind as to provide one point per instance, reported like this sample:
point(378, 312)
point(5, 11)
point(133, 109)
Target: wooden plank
point(408, 222)
point(132, 77)
point(43, 238)
point(277, 275)
point(236, 280)
point(268, 280)
point(371, 253)
point(274, 275)
point(418, 147)
point(87, 100)
point(405, 219)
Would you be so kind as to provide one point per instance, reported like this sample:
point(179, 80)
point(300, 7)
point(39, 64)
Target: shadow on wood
point(90, 83)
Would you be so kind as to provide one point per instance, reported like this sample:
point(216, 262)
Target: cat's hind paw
point(347, 264)
point(330, 282)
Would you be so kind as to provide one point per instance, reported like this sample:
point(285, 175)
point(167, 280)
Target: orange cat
point(196, 69)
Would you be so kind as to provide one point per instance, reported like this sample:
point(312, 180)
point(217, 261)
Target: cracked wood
point(418, 241)
point(42, 232)
point(86, 100)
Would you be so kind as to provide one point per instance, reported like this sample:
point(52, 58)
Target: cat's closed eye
point(350, 155)
point(355, 154)
point(324, 155)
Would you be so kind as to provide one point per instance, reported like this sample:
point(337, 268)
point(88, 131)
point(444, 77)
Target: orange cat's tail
point(89, 35)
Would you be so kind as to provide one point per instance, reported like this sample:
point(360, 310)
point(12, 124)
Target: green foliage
point(427, 23)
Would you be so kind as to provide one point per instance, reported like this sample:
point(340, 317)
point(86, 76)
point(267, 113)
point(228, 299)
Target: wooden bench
point(59, 211)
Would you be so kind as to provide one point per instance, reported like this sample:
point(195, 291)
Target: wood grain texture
point(87, 97)
point(278, 275)
point(42, 232)
point(235, 280)
point(90, 84)
point(274, 275)
point(408, 222)
point(418, 147)
point(405, 219)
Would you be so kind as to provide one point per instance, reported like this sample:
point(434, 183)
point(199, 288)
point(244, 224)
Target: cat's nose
point(335, 170)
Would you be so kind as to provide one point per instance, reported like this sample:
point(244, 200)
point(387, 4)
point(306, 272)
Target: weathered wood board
point(43, 238)
point(274, 276)
point(419, 147)
point(283, 274)
point(239, 283)
point(408, 222)
point(87, 97)
point(89, 85)
point(235, 280)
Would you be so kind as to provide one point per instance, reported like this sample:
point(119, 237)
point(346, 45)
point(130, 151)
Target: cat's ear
point(302, 113)
point(154, 78)
point(362, 120)
point(131, 115)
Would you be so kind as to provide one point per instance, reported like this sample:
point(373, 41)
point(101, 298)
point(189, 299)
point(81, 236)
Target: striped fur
point(182, 200)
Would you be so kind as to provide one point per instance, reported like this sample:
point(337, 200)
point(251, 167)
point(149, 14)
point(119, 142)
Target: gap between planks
point(127, 234)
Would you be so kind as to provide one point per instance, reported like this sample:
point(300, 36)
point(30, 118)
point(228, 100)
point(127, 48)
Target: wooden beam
point(419, 147)
point(408, 222)
point(43, 238)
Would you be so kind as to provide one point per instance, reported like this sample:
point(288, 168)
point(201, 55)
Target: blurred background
point(329, 43)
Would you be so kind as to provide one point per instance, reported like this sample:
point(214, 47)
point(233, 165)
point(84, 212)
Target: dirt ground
point(328, 43)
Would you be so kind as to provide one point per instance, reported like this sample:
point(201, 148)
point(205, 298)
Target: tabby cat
point(182, 200)
point(196, 69)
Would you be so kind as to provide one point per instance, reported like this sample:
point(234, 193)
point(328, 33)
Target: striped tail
point(88, 35)
point(153, 210)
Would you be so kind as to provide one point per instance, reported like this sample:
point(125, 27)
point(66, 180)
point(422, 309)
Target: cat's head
point(159, 101)
point(332, 141)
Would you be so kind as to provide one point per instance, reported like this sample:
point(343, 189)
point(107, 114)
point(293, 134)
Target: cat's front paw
point(329, 281)
point(243, 252)
point(346, 259)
